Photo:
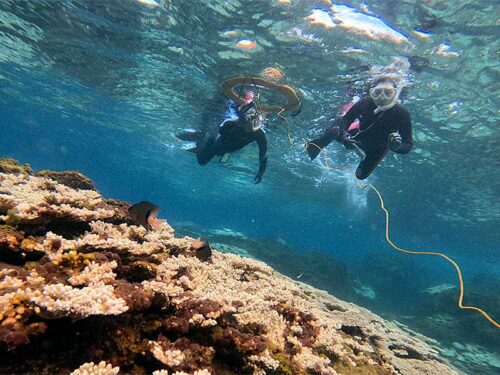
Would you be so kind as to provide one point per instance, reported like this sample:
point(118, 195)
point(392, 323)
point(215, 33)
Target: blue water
point(103, 89)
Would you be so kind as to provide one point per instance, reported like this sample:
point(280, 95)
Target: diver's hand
point(395, 140)
point(258, 178)
point(348, 141)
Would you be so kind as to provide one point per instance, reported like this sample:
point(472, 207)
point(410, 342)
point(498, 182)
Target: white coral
point(33, 197)
point(34, 280)
point(171, 358)
point(265, 360)
point(314, 363)
point(161, 287)
point(122, 238)
point(202, 372)
point(102, 368)
point(94, 273)
point(10, 283)
point(65, 300)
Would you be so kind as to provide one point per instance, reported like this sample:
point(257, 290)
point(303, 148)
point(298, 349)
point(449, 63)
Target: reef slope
point(84, 291)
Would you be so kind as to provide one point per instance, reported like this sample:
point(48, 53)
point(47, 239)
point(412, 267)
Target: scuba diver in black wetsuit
point(383, 124)
point(232, 134)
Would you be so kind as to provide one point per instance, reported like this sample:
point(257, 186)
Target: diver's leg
point(205, 149)
point(191, 136)
point(315, 146)
point(368, 165)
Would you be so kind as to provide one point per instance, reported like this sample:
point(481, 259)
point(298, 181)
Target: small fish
point(202, 249)
point(144, 213)
point(299, 276)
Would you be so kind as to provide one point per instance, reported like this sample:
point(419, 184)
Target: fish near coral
point(144, 213)
point(202, 249)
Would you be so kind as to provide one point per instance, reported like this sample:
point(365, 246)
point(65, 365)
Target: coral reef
point(72, 179)
point(316, 268)
point(83, 291)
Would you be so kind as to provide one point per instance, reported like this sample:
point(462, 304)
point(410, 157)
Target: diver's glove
point(258, 178)
point(348, 141)
point(395, 140)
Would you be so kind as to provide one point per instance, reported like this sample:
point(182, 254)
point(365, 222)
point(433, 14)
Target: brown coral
point(15, 248)
point(302, 325)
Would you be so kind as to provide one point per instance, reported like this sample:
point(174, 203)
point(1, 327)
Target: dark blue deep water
point(103, 86)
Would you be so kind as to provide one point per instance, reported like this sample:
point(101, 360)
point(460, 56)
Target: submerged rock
point(112, 297)
point(73, 179)
point(9, 165)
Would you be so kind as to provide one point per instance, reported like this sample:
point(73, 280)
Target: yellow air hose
point(397, 248)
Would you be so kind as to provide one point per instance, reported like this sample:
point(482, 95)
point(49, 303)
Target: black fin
point(312, 150)
point(192, 136)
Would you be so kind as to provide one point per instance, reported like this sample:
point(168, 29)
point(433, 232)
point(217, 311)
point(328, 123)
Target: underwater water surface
point(103, 86)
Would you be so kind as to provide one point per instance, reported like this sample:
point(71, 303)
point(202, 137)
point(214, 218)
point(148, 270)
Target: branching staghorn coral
point(64, 300)
point(171, 358)
point(102, 368)
point(94, 271)
point(30, 199)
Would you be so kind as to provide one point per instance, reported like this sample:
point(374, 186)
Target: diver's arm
point(226, 125)
point(405, 130)
point(262, 143)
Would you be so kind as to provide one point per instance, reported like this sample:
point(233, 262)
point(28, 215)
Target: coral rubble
point(83, 291)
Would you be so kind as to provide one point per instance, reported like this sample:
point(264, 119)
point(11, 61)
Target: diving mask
point(383, 93)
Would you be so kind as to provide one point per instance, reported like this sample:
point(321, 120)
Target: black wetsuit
point(230, 137)
point(372, 136)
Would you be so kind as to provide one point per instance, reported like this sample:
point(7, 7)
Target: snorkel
point(249, 113)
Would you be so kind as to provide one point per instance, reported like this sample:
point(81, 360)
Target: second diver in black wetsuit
point(383, 124)
point(232, 134)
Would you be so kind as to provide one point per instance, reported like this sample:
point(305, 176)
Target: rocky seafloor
point(84, 291)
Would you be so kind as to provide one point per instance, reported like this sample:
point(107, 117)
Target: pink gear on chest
point(345, 108)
